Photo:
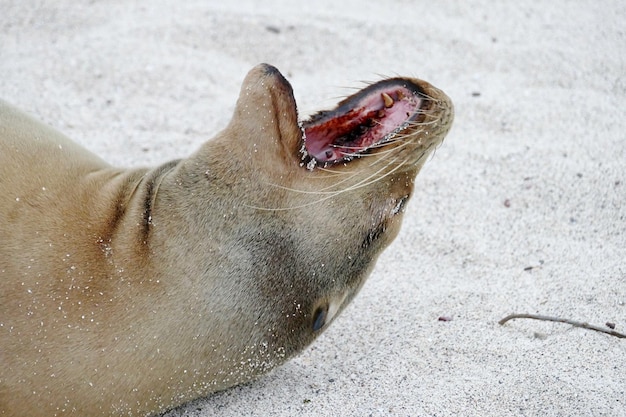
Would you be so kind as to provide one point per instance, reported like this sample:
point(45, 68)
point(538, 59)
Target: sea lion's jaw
point(265, 122)
point(386, 114)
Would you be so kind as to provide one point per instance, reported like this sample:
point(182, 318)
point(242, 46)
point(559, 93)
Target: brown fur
point(131, 292)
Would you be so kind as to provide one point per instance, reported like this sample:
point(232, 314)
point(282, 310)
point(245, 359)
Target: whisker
point(390, 159)
point(370, 179)
point(329, 194)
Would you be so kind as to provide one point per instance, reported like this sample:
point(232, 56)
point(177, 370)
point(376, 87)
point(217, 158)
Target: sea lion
point(129, 292)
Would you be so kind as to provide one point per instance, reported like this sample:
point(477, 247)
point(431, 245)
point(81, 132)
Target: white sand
point(143, 82)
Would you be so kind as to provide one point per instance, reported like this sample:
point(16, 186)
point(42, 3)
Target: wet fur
point(129, 292)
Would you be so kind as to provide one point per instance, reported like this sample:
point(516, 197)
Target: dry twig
point(560, 320)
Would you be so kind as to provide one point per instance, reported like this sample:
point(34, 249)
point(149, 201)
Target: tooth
point(387, 100)
point(400, 95)
point(380, 113)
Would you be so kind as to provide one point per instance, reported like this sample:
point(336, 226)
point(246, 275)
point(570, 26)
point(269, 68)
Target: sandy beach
point(521, 210)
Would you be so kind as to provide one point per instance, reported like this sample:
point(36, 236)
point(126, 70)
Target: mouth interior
point(362, 122)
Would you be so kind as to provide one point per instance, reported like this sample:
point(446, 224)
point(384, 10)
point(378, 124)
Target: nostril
point(319, 318)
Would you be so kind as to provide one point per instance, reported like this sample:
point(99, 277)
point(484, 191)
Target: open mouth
point(364, 121)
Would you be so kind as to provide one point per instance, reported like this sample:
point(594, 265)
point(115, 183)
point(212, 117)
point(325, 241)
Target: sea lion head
point(291, 216)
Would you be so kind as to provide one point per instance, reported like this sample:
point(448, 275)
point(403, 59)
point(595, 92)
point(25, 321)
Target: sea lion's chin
point(265, 121)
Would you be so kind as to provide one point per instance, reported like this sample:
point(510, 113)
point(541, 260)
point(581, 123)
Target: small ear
point(266, 113)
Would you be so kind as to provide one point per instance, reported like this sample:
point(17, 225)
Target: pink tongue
point(367, 124)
